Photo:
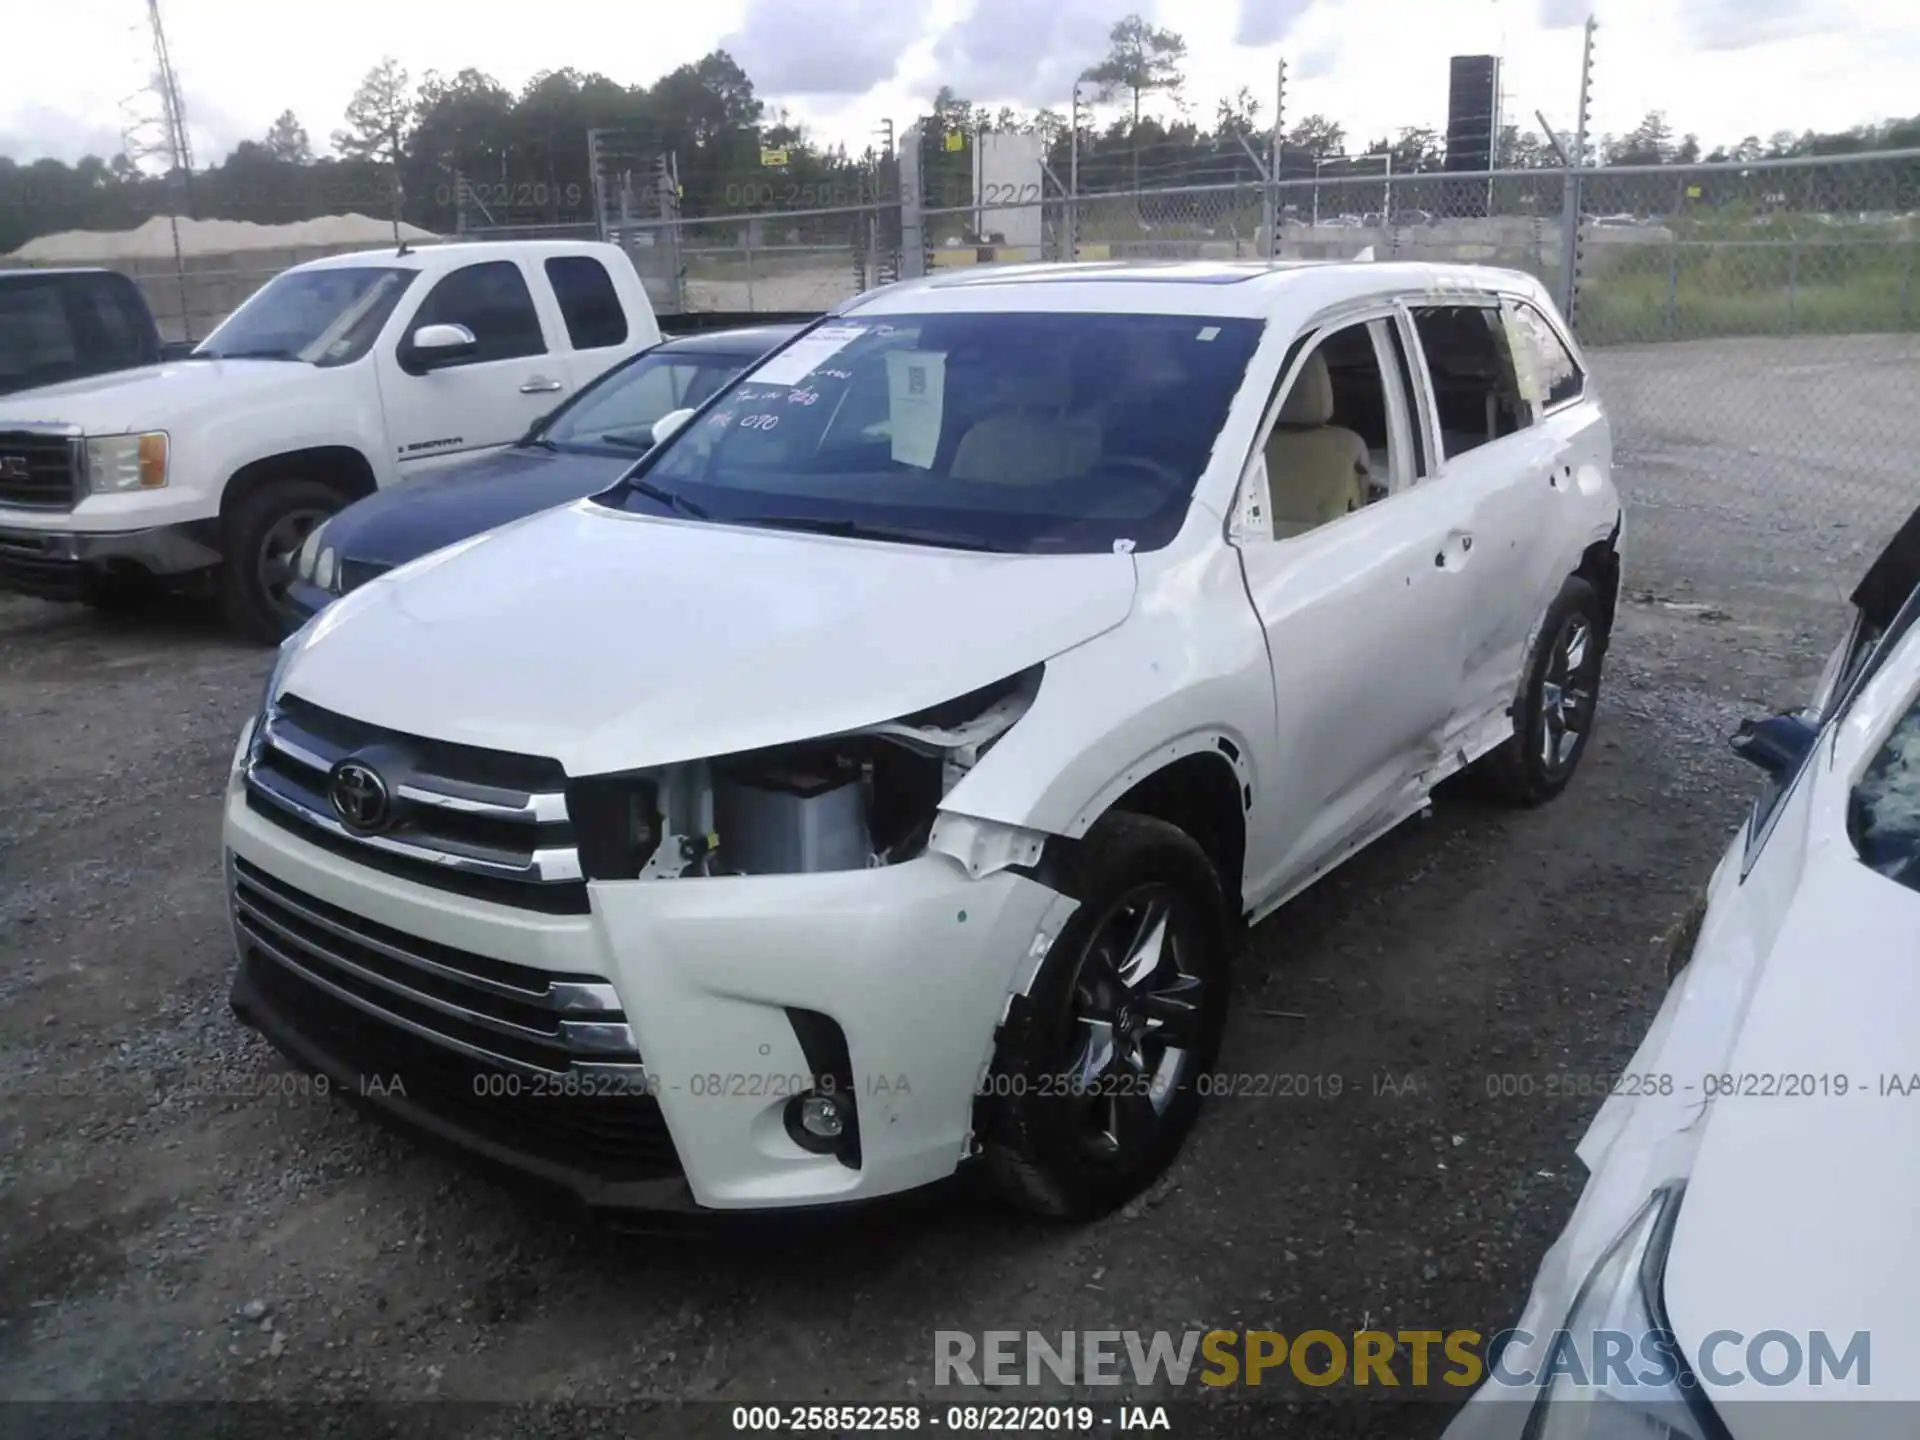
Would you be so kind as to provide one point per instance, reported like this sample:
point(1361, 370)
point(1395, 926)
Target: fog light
point(817, 1122)
point(820, 1117)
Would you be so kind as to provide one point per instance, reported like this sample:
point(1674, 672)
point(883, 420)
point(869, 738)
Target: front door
point(1362, 609)
point(486, 399)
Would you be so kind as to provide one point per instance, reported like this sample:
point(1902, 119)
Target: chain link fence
point(1758, 343)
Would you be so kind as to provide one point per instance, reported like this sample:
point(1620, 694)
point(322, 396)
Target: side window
point(1475, 386)
point(492, 300)
point(35, 336)
point(107, 311)
point(1334, 445)
point(589, 303)
point(1556, 373)
point(1883, 813)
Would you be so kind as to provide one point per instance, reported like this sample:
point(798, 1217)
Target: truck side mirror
point(432, 346)
point(1776, 744)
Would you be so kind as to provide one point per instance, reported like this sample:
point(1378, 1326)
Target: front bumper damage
point(722, 981)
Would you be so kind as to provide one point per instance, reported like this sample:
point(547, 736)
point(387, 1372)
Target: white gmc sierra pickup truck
point(336, 378)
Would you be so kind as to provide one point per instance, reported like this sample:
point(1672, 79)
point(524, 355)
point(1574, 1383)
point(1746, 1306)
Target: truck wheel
point(1559, 695)
point(263, 535)
point(1098, 1074)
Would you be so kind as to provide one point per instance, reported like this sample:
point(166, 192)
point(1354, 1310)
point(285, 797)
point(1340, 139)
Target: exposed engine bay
point(843, 802)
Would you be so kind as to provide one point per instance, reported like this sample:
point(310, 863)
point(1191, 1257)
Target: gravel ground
point(172, 1229)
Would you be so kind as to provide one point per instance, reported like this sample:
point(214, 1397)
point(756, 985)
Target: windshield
point(324, 317)
point(1035, 432)
point(617, 411)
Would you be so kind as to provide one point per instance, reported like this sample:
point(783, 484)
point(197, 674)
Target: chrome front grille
point(513, 1016)
point(39, 472)
point(542, 1066)
point(479, 822)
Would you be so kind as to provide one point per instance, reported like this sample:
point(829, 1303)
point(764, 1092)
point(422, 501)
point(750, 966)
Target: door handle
point(539, 385)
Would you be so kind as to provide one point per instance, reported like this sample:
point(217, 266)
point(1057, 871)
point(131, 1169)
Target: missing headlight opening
point(844, 802)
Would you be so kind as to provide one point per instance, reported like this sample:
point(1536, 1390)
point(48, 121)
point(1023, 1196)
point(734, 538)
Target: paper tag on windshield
point(807, 354)
point(916, 386)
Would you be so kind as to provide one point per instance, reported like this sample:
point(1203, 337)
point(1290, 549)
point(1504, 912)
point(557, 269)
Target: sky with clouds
point(1720, 68)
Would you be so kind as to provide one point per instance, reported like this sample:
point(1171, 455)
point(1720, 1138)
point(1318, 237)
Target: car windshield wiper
point(673, 499)
point(627, 439)
point(863, 530)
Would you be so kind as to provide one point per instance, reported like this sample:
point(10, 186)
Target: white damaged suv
point(877, 779)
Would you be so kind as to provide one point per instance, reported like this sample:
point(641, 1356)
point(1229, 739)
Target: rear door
point(518, 372)
point(1505, 468)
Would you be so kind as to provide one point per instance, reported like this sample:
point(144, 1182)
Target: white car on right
point(1744, 1261)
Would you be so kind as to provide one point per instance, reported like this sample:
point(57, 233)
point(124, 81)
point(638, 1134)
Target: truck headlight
point(119, 463)
point(1622, 1298)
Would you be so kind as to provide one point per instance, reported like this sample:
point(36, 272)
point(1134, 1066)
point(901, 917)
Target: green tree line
point(465, 149)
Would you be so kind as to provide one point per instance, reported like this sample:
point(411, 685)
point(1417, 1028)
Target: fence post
point(1793, 286)
point(1073, 179)
point(1569, 238)
point(1906, 285)
point(1276, 149)
point(913, 239)
point(596, 180)
point(1673, 288)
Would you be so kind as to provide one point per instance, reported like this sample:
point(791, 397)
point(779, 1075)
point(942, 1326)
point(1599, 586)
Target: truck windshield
point(1034, 432)
point(322, 317)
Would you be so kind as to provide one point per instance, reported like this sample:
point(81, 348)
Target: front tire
point(263, 536)
point(1096, 1079)
point(1559, 696)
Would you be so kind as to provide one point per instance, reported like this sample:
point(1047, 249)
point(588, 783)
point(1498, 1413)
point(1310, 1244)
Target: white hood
point(154, 397)
point(611, 641)
point(1800, 1213)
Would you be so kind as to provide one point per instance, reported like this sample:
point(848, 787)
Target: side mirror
point(434, 345)
point(667, 424)
point(1776, 744)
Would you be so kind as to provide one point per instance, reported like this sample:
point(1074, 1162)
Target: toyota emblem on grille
point(360, 797)
point(13, 467)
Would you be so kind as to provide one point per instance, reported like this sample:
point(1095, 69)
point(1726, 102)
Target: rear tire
point(1096, 1078)
point(262, 537)
point(1553, 715)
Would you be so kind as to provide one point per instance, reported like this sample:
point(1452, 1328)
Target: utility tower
point(171, 148)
